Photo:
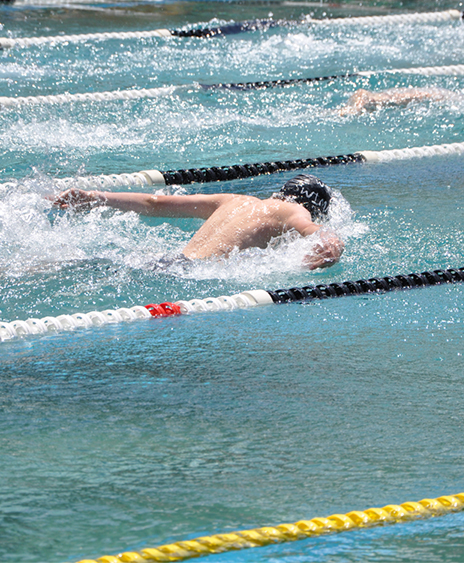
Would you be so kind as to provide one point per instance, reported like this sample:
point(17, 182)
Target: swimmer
point(364, 100)
point(232, 220)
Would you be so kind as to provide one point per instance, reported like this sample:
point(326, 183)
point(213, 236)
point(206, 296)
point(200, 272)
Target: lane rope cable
point(448, 70)
point(232, 28)
point(240, 171)
point(145, 93)
point(252, 298)
point(259, 537)
point(226, 29)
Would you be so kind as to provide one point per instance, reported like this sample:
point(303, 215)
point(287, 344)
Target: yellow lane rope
point(220, 543)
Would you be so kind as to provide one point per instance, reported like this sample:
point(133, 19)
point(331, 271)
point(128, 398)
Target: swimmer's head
point(310, 192)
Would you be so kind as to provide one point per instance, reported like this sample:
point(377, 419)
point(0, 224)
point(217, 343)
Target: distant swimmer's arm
point(197, 205)
point(364, 100)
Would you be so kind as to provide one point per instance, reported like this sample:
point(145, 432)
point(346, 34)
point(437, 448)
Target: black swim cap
point(310, 192)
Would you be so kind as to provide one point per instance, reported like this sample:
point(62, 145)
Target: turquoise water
point(133, 435)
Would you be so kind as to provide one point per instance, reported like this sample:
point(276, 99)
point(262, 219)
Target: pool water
point(138, 434)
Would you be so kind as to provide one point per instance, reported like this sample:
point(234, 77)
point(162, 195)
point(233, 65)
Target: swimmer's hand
point(326, 253)
point(78, 199)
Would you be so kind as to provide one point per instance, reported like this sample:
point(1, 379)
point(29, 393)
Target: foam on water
point(64, 135)
point(34, 233)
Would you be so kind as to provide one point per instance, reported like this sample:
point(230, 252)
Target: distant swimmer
point(364, 100)
point(233, 220)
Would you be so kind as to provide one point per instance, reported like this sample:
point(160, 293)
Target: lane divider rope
point(232, 28)
point(146, 93)
point(259, 537)
point(240, 171)
point(371, 285)
point(109, 96)
point(18, 328)
point(226, 29)
point(448, 70)
point(395, 19)
point(252, 298)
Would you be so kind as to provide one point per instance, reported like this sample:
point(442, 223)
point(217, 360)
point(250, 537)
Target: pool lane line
point(46, 325)
point(282, 533)
point(156, 92)
point(368, 286)
point(157, 178)
point(448, 70)
point(252, 298)
point(232, 28)
point(241, 171)
point(226, 29)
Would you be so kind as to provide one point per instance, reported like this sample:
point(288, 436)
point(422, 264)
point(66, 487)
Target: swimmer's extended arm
point(197, 205)
point(364, 100)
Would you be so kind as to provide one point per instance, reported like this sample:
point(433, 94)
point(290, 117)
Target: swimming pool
point(137, 434)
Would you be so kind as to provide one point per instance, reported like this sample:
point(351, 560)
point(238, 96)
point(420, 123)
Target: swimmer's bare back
point(246, 221)
point(231, 220)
